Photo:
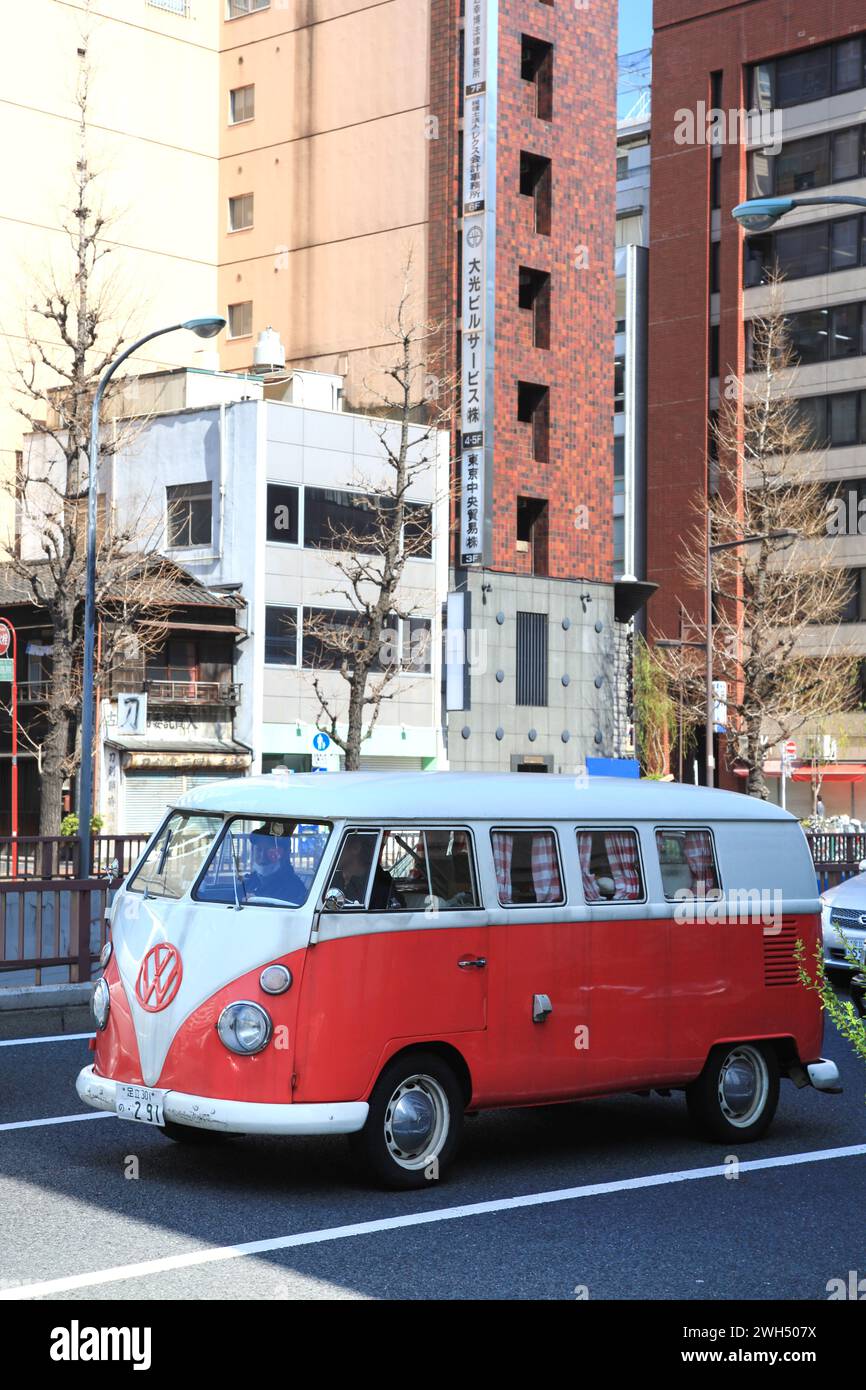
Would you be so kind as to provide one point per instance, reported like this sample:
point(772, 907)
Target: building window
point(618, 385)
point(331, 635)
point(242, 104)
point(534, 297)
point(800, 252)
point(236, 8)
point(629, 229)
point(836, 421)
point(418, 531)
point(335, 520)
point(282, 518)
point(241, 320)
point(532, 659)
point(533, 408)
point(532, 531)
point(855, 607)
point(821, 335)
point(189, 510)
point(811, 75)
point(714, 266)
point(618, 464)
point(417, 645)
point(536, 66)
point(241, 212)
point(715, 182)
point(714, 349)
point(281, 636)
point(536, 182)
point(180, 7)
point(818, 160)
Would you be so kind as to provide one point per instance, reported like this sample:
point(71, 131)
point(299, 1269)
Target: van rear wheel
point(736, 1095)
point(414, 1123)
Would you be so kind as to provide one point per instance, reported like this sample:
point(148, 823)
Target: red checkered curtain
point(698, 849)
point(622, 856)
point(584, 849)
point(503, 845)
point(545, 869)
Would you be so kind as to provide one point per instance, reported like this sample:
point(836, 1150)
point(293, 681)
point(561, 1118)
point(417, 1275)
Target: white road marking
point(60, 1037)
point(192, 1258)
point(60, 1120)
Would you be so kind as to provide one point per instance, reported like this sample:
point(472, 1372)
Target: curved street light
point(203, 328)
point(759, 214)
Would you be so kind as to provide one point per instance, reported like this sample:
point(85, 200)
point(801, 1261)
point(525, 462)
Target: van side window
point(351, 874)
point(415, 871)
point(687, 862)
point(610, 866)
point(527, 867)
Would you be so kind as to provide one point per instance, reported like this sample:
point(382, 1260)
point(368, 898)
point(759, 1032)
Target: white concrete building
point(241, 491)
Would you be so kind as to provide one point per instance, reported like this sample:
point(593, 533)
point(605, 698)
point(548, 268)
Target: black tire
point(190, 1134)
point(735, 1097)
point(438, 1097)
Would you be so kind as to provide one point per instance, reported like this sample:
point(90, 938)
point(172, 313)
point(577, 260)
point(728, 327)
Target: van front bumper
point(234, 1116)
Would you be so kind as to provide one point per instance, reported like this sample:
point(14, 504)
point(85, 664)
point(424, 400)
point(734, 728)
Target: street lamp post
point(759, 214)
point(203, 328)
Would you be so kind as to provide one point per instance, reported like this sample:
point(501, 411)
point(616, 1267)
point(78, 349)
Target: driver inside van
point(273, 875)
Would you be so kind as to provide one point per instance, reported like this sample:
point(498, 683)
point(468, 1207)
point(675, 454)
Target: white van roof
point(461, 796)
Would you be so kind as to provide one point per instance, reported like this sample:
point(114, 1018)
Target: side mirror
point(335, 901)
point(112, 870)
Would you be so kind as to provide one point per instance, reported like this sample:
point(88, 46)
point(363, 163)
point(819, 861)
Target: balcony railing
point(175, 685)
point(168, 689)
point(182, 692)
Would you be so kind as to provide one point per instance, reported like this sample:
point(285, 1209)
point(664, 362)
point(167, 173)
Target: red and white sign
point(790, 749)
point(5, 639)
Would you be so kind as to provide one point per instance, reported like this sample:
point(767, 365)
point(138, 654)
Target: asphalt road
point(101, 1209)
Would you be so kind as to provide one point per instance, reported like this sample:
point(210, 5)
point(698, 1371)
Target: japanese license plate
point(140, 1103)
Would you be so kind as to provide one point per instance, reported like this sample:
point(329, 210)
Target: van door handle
point(472, 962)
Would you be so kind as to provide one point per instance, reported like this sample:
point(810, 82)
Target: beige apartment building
point(205, 114)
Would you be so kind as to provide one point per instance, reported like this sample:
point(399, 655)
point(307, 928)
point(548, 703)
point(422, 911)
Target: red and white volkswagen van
point(374, 954)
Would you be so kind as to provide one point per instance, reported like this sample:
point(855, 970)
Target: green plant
point(69, 824)
point(841, 1012)
point(654, 711)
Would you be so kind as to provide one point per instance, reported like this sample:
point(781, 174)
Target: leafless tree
point(359, 638)
point(73, 332)
point(778, 600)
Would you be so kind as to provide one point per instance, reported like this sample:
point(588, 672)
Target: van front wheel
point(736, 1094)
point(414, 1123)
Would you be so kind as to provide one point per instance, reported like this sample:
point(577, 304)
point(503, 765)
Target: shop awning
point(824, 772)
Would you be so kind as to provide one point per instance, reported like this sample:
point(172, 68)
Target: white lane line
point(60, 1037)
point(60, 1119)
point(217, 1253)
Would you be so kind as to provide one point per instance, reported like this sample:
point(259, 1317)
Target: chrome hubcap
point(416, 1121)
point(744, 1084)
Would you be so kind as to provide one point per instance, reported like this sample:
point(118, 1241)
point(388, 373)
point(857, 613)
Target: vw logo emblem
point(159, 977)
point(862, 919)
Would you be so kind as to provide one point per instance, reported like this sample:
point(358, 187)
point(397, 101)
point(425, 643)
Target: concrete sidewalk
point(33, 1011)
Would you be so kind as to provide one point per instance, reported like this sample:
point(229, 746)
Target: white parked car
point(844, 910)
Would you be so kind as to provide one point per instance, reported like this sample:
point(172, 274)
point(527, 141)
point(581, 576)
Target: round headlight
point(101, 1003)
point(275, 979)
point(105, 955)
point(244, 1027)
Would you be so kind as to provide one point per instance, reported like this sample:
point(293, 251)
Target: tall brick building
point(805, 64)
point(402, 121)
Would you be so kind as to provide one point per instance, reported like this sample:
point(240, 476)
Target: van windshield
point(176, 856)
point(265, 863)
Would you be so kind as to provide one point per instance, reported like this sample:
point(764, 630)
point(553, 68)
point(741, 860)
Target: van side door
point(399, 954)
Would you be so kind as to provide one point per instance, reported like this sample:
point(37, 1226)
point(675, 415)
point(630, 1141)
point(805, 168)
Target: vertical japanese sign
point(476, 265)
